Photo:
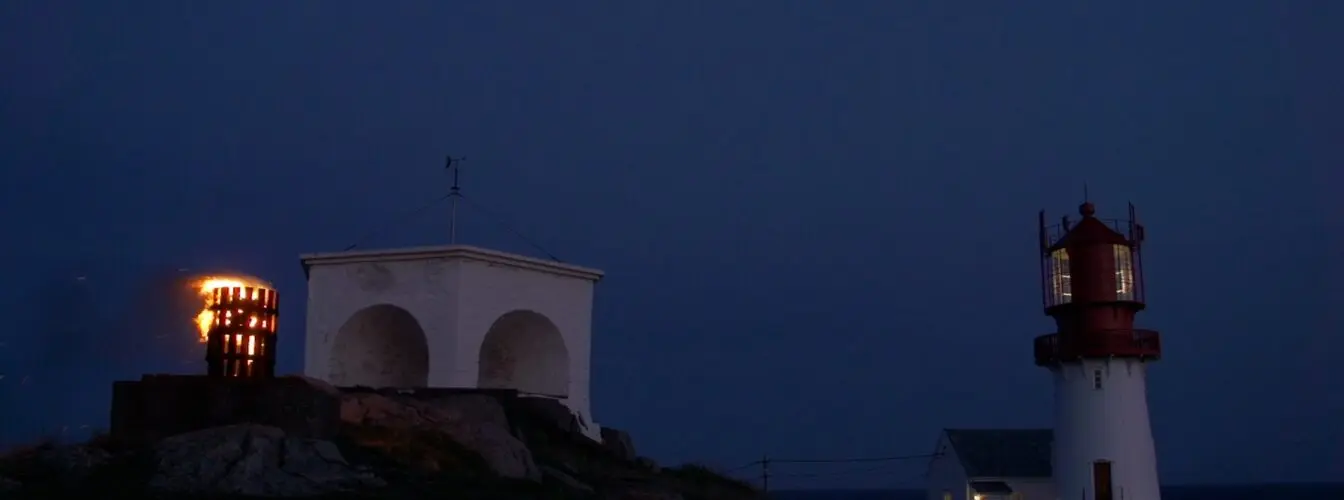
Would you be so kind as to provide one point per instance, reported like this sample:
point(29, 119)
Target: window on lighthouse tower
point(1061, 288)
point(1124, 272)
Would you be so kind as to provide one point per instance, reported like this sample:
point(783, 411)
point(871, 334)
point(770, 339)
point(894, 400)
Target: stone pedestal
point(157, 406)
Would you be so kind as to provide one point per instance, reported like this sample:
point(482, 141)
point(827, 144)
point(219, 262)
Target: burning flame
point(205, 287)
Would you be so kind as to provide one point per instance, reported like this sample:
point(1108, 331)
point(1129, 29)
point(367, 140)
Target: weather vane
point(454, 165)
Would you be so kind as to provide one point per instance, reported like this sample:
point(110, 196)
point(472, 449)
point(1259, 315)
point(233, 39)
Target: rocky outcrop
point(394, 444)
point(74, 462)
point(252, 460)
point(9, 486)
point(158, 406)
point(565, 479)
point(475, 421)
point(548, 413)
point(651, 494)
point(619, 442)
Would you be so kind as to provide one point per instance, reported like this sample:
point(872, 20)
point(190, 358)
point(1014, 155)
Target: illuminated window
point(947, 495)
point(1061, 290)
point(1124, 273)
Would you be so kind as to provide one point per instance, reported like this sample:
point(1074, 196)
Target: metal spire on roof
point(454, 193)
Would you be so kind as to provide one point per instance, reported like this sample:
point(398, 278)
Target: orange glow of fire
point(205, 288)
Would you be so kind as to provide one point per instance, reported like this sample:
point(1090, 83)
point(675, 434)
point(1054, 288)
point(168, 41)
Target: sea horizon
point(1245, 491)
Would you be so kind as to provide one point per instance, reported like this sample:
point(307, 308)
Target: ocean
point(1334, 491)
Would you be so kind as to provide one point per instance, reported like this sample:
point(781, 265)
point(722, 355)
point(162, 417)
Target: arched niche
point(524, 350)
point(380, 346)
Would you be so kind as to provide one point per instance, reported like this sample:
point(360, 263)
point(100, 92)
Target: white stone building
point(992, 464)
point(454, 317)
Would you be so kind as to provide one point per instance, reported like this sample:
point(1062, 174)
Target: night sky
point(817, 219)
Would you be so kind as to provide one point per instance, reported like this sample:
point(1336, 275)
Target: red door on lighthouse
point(1101, 479)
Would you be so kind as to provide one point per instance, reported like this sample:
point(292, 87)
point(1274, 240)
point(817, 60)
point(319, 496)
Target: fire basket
point(241, 340)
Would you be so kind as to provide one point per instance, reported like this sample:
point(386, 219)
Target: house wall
point(945, 473)
point(454, 301)
point(1033, 489)
point(491, 291)
point(157, 406)
point(1027, 488)
point(425, 288)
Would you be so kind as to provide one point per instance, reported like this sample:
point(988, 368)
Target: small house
point(991, 464)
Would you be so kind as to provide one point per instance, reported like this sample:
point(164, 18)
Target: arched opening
point(380, 346)
point(523, 350)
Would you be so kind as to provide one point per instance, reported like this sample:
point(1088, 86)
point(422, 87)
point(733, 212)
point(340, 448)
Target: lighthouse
point(1092, 285)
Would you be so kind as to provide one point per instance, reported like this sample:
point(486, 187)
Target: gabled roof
point(1003, 452)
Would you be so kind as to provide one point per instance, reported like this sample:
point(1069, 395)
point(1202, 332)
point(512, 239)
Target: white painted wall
point(524, 350)
point(1110, 423)
point(1029, 488)
point(491, 290)
point(946, 473)
point(455, 294)
point(339, 288)
point(385, 346)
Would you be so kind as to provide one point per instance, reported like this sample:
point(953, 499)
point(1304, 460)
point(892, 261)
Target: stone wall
point(293, 435)
point(157, 406)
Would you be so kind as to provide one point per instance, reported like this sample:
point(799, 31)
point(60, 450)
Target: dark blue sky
point(817, 218)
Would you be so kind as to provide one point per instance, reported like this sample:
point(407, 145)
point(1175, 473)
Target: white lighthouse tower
point(1093, 287)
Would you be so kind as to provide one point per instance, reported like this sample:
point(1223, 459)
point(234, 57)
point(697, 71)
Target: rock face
point(158, 406)
point(292, 437)
point(619, 442)
point(74, 462)
point(550, 413)
point(252, 460)
point(476, 421)
point(9, 486)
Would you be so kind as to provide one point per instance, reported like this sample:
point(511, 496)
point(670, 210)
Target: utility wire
point(845, 472)
point(834, 460)
point(743, 467)
point(766, 474)
point(456, 194)
point(507, 227)
point(902, 482)
point(851, 460)
point(405, 217)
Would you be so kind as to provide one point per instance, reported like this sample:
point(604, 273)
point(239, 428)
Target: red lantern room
point(1092, 285)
